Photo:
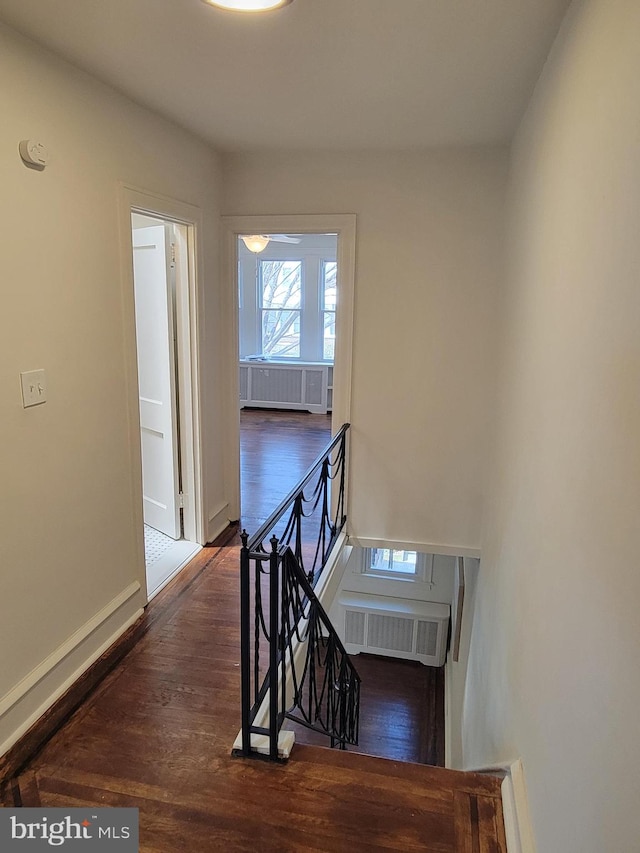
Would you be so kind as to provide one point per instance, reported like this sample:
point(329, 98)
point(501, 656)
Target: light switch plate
point(34, 388)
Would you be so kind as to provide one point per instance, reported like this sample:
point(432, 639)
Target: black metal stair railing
point(292, 661)
point(325, 685)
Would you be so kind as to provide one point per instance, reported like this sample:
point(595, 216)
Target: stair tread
point(460, 780)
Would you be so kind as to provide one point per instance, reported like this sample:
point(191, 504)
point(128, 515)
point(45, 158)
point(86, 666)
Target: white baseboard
point(515, 806)
point(28, 700)
point(218, 522)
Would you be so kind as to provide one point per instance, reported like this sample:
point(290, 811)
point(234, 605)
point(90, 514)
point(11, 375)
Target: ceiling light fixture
point(255, 243)
point(248, 5)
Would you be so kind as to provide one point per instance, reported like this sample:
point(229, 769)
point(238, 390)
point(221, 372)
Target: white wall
point(553, 676)
point(429, 240)
point(69, 546)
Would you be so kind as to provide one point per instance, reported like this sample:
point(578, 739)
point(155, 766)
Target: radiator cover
point(412, 630)
point(269, 384)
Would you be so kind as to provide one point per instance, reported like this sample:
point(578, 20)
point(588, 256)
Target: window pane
point(281, 333)
point(393, 562)
point(281, 284)
point(329, 341)
point(403, 561)
point(329, 285)
point(379, 558)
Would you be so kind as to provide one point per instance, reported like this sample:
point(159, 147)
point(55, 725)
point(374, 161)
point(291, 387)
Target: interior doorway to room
point(161, 291)
point(288, 299)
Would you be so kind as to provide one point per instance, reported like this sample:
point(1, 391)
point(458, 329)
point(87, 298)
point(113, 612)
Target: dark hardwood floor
point(276, 449)
point(157, 732)
point(401, 711)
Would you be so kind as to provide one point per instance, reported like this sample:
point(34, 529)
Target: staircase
point(155, 732)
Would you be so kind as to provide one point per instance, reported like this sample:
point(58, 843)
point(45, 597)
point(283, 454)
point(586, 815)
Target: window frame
point(389, 574)
point(323, 310)
point(312, 255)
point(261, 309)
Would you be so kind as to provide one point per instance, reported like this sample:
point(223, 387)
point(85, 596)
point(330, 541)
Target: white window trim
point(250, 301)
point(418, 576)
point(322, 311)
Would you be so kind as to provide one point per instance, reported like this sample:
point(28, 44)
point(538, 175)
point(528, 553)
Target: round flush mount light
point(248, 5)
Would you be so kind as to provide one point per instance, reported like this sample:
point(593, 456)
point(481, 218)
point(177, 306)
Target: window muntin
point(280, 284)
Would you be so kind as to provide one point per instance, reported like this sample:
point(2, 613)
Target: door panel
point(156, 378)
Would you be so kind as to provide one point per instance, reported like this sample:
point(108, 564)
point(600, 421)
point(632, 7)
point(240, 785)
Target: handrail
point(293, 663)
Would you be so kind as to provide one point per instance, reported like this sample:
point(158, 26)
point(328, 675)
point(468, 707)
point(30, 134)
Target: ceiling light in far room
point(248, 5)
point(255, 243)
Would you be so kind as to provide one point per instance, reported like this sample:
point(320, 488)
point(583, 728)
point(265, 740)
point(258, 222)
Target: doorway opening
point(161, 279)
point(287, 301)
point(337, 404)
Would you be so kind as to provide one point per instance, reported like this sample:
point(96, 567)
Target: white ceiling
point(318, 74)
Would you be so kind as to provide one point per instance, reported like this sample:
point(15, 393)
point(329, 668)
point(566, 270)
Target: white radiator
point(412, 630)
point(286, 386)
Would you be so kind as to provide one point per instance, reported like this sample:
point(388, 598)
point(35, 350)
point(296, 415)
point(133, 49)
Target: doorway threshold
point(164, 558)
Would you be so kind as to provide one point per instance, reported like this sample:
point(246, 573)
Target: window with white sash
point(288, 299)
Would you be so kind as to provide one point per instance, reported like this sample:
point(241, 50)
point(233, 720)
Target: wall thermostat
point(34, 153)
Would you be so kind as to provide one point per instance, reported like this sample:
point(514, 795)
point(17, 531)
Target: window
point(329, 294)
point(281, 304)
point(288, 299)
point(394, 564)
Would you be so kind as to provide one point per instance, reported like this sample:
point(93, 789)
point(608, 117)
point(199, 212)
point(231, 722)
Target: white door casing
point(342, 224)
point(154, 308)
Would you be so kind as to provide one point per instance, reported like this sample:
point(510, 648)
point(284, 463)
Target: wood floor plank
point(29, 789)
point(283, 443)
point(464, 829)
point(453, 780)
point(489, 821)
point(6, 795)
point(499, 824)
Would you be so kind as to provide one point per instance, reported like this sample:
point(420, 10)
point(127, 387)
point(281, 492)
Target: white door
point(157, 377)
